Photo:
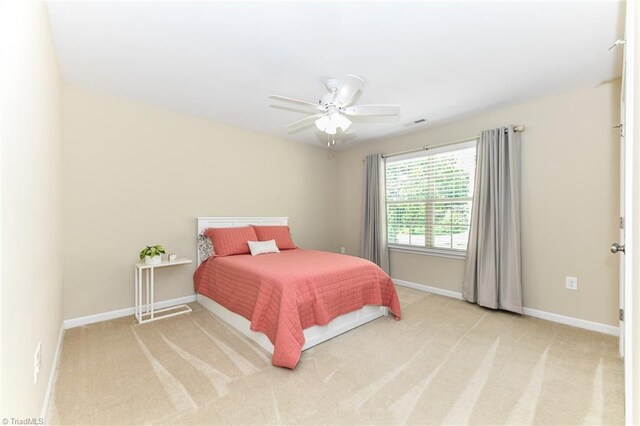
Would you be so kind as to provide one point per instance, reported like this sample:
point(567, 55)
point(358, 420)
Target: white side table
point(150, 312)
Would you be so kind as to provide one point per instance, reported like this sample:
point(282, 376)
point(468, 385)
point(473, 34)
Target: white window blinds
point(429, 198)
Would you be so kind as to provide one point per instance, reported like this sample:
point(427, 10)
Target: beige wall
point(137, 175)
point(30, 135)
point(569, 201)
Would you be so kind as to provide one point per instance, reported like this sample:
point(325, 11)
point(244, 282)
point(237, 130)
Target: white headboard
point(231, 222)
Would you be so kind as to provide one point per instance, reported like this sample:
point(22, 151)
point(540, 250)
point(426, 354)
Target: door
point(624, 247)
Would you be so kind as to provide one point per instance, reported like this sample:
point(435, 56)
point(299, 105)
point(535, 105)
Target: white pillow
point(262, 247)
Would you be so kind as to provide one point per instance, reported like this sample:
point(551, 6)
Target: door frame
point(630, 209)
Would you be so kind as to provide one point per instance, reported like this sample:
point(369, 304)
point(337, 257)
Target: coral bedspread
point(282, 294)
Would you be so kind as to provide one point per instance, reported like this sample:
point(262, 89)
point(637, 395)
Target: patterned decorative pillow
point(231, 241)
point(205, 247)
point(280, 233)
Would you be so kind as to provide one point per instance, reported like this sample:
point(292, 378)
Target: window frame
point(431, 251)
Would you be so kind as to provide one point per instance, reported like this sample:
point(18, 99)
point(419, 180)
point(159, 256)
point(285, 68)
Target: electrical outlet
point(36, 362)
point(343, 250)
point(571, 283)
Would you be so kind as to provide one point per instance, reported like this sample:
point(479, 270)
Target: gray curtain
point(492, 271)
point(374, 223)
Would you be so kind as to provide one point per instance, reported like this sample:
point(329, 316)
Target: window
point(429, 198)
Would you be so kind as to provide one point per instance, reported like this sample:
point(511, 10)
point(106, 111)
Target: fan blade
point(347, 90)
point(372, 110)
point(295, 101)
point(307, 120)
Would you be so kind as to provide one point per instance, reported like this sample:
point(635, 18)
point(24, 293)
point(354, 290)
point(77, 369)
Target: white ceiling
point(440, 60)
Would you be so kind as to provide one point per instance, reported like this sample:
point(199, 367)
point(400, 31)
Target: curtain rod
point(519, 128)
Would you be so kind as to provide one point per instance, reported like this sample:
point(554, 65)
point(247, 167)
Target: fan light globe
point(322, 123)
point(343, 122)
point(330, 129)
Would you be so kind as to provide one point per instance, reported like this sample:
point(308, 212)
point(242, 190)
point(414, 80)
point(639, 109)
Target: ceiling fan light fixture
point(330, 123)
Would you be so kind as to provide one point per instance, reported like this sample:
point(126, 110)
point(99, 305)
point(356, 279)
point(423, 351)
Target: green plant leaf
point(152, 251)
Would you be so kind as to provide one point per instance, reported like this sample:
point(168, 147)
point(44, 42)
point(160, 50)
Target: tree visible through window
point(429, 198)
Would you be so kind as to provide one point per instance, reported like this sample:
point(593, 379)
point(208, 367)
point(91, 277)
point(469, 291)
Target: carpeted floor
point(445, 362)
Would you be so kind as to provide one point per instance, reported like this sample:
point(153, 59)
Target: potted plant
point(152, 254)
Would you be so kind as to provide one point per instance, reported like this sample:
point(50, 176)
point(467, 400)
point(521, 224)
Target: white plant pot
point(149, 260)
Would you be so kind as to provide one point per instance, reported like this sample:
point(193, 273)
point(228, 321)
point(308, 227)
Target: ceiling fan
point(336, 106)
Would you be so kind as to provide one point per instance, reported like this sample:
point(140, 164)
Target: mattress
point(282, 294)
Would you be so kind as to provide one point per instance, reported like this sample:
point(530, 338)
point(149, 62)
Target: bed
point(290, 301)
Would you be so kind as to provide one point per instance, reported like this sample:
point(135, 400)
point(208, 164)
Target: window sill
point(451, 254)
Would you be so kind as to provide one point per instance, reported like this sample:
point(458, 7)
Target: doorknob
point(615, 248)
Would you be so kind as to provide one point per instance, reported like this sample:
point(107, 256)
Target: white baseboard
point(90, 319)
point(576, 322)
point(52, 375)
point(428, 289)
point(549, 316)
